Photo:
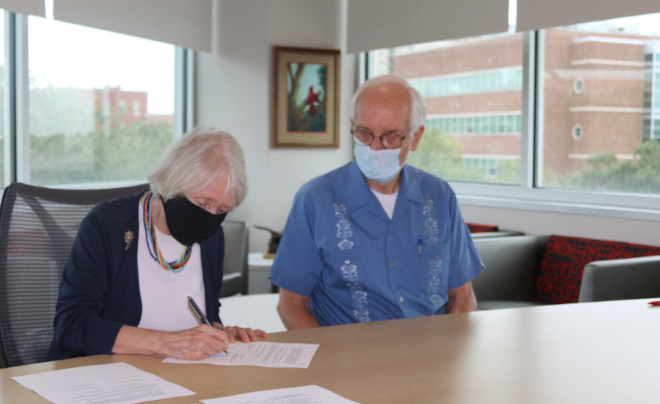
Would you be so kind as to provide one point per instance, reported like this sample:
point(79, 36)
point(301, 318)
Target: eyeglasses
point(389, 140)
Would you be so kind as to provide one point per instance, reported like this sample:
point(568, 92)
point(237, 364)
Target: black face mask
point(188, 223)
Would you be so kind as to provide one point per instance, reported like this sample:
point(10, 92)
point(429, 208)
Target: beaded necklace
point(152, 244)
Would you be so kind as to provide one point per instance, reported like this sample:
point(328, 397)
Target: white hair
point(417, 103)
point(193, 162)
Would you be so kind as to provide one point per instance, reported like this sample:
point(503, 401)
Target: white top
point(164, 293)
point(387, 201)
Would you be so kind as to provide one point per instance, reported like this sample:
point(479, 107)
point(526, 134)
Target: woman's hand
point(244, 334)
point(195, 343)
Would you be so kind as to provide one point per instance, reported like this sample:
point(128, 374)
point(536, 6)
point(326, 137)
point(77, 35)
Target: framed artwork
point(305, 110)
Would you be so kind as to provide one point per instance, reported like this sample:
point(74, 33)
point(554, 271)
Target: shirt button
point(394, 264)
point(392, 228)
point(347, 262)
point(436, 257)
point(401, 299)
point(426, 197)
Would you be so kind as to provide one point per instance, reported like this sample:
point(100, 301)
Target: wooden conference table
point(605, 352)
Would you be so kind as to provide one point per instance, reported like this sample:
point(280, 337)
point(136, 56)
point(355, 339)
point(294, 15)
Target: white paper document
point(264, 354)
point(296, 395)
point(116, 383)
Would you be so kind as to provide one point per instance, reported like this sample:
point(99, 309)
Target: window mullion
point(22, 100)
point(190, 107)
point(180, 92)
point(528, 108)
point(539, 108)
point(9, 99)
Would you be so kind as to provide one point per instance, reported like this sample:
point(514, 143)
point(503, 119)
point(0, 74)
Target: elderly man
point(376, 239)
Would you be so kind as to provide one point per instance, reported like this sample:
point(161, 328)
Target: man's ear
point(417, 137)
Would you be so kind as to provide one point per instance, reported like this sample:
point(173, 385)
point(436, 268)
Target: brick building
point(593, 94)
point(125, 106)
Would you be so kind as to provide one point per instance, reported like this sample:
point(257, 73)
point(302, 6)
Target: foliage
point(123, 153)
point(442, 156)
point(603, 172)
point(439, 155)
point(60, 110)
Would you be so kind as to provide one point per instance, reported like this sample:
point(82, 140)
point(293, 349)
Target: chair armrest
point(501, 233)
point(631, 278)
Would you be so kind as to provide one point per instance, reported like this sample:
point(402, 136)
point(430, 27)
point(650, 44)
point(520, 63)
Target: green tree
point(439, 155)
point(604, 172)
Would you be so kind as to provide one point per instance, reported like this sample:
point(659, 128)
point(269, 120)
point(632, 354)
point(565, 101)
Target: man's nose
point(376, 144)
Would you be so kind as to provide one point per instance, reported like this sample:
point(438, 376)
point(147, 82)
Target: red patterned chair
point(535, 270)
point(488, 230)
point(481, 228)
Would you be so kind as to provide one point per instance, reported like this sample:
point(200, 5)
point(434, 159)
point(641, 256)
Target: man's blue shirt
point(340, 248)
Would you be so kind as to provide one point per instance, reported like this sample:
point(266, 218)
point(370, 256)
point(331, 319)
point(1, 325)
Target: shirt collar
point(358, 192)
point(411, 186)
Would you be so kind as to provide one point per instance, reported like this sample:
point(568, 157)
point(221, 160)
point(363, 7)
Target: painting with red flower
point(305, 104)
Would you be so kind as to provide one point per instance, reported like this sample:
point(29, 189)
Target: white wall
point(234, 93)
point(546, 223)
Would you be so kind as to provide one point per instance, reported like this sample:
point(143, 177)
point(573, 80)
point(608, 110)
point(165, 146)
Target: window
point(577, 132)
point(473, 90)
point(570, 116)
point(137, 111)
point(613, 121)
point(82, 83)
point(578, 85)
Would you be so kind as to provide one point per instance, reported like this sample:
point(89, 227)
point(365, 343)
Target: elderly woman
point(136, 260)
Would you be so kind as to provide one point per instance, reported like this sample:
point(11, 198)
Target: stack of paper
point(117, 383)
point(265, 354)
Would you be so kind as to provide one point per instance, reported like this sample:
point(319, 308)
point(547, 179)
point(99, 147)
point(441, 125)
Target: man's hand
point(462, 299)
point(294, 311)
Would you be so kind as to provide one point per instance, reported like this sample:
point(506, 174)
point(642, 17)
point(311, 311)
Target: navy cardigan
point(100, 289)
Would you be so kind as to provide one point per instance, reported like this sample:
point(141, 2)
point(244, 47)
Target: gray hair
point(191, 163)
point(417, 103)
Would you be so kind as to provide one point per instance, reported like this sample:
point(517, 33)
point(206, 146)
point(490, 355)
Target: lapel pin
point(128, 238)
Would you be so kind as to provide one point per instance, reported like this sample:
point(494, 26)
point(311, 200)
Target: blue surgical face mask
point(377, 165)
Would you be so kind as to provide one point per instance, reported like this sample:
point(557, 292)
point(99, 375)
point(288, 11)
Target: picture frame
point(305, 106)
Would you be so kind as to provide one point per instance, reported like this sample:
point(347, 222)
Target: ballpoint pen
point(655, 303)
point(198, 313)
point(420, 242)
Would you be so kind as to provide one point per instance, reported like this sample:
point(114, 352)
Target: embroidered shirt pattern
point(344, 231)
point(358, 296)
point(349, 271)
point(430, 224)
point(435, 269)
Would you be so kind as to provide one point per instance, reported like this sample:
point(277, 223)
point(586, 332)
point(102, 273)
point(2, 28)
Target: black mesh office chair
point(235, 264)
point(37, 229)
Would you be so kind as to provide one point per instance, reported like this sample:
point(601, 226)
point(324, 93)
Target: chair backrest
point(631, 278)
point(37, 229)
point(562, 266)
point(511, 266)
point(235, 279)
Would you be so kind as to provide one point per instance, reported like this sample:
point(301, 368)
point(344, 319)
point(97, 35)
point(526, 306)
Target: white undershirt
point(164, 293)
point(387, 201)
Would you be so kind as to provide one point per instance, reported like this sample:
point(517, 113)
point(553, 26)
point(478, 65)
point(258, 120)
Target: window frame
point(530, 193)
